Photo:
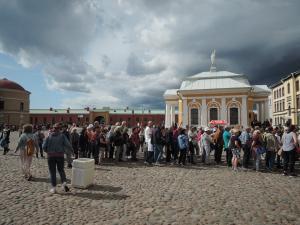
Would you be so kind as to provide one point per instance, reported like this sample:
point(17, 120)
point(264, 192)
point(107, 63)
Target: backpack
point(30, 147)
point(110, 136)
point(270, 143)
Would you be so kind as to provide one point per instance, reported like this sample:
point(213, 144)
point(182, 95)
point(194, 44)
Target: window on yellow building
point(289, 88)
point(297, 85)
point(282, 91)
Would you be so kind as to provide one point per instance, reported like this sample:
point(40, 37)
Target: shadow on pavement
point(99, 196)
point(97, 187)
point(102, 169)
point(46, 180)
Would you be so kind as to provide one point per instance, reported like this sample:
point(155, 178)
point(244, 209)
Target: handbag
point(298, 150)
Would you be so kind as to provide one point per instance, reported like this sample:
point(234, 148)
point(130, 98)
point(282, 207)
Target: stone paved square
point(131, 193)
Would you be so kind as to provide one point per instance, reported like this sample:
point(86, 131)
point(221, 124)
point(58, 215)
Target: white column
point(223, 109)
point(244, 112)
point(266, 110)
point(185, 113)
point(204, 113)
point(261, 112)
point(172, 120)
point(168, 116)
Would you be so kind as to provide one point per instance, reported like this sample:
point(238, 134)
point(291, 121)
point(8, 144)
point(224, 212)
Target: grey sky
point(129, 52)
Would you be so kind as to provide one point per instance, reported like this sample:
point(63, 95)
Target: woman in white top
point(289, 144)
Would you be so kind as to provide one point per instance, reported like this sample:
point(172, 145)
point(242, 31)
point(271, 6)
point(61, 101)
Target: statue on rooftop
point(213, 60)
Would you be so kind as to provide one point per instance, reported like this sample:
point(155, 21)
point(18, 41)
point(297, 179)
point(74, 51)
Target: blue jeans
point(257, 161)
point(270, 158)
point(158, 152)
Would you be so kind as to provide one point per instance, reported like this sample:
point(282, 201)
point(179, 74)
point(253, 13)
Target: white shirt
point(148, 133)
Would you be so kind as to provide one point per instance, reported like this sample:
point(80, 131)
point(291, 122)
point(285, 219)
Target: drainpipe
point(180, 109)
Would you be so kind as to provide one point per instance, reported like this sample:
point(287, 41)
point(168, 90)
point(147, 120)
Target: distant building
point(217, 95)
point(286, 100)
point(14, 103)
point(105, 115)
point(14, 111)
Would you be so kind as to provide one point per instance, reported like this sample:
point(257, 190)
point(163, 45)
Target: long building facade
point(286, 100)
point(104, 115)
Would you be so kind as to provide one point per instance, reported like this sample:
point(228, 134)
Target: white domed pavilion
point(217, 95)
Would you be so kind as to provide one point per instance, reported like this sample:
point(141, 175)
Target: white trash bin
point(83, 171)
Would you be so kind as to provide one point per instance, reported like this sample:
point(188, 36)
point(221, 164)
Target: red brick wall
point(131, 119)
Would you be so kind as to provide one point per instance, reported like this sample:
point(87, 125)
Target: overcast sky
point(127, 53)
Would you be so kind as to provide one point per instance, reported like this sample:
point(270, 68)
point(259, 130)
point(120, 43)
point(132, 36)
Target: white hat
point(90, 126)
point(206, 129)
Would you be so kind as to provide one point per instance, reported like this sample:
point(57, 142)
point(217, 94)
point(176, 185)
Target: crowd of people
point(244, 148)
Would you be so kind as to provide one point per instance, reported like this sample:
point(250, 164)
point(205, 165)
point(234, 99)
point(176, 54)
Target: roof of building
point(215, 83)
point(171, 92)
point(212, 80)
point(295, 74)
point(58, 111)
point(8, 84)
point(126, 111)
point(214, 74)
point(261, 88)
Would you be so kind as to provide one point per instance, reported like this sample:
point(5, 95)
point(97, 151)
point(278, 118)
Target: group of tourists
point(244, 149)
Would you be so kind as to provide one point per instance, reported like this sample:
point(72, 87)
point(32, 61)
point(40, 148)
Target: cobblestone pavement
point(131, 193)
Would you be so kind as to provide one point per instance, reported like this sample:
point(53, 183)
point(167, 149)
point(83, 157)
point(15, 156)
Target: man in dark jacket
point(157, 141)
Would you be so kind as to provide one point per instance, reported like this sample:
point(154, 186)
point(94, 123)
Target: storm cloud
point(127, 53)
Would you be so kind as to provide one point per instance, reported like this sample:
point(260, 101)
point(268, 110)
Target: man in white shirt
point(148, 155)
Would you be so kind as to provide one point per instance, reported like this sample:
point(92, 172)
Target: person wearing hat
point(206, 144)
point(56, 145)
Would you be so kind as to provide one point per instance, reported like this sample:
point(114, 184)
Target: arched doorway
point(100, 119)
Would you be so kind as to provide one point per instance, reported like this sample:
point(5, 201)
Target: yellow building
point(286, 100)
point(217, 95)
point(14, 103)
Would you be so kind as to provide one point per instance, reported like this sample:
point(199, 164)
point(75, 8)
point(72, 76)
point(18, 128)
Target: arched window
point(234, 113)
point(194, 116)
point(234, 116)
point(213, 113)
point(194, 113)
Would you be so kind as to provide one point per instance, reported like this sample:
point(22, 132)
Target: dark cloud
point(136, 66)
point(130, 52)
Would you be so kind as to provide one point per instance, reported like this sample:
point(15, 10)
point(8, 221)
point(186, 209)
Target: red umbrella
point(218, 122)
